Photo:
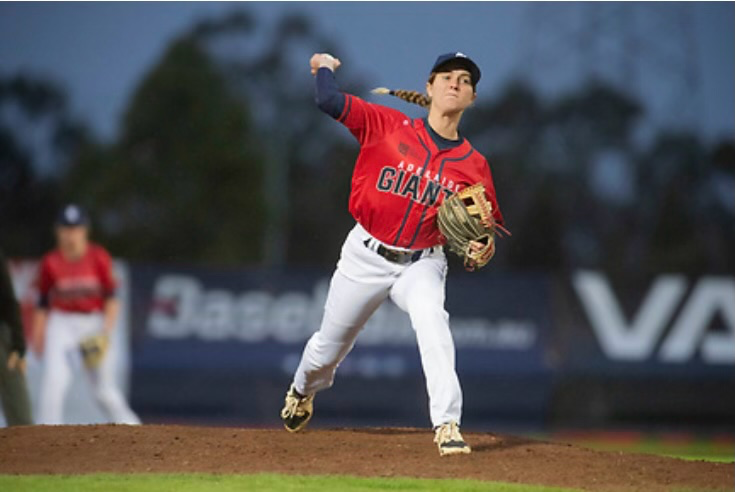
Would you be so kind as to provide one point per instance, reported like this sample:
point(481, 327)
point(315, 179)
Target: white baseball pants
point(362, 281)
point(62, 358)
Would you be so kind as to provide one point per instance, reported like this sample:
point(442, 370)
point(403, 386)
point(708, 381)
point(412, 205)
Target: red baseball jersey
point(401, 177)
point(80, 286)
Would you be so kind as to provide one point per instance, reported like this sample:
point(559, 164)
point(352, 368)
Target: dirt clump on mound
point(362, 452)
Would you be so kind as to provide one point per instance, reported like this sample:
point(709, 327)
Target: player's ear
point(428, 89)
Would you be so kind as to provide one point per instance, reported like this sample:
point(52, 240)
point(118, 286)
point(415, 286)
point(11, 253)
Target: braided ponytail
point(413, 97)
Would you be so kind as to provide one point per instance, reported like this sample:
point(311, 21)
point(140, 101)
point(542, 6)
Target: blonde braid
point(414, 97)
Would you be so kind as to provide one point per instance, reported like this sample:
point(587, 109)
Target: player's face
point(72, 240)
point(451, 92)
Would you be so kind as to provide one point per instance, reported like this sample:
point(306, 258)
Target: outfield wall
point(532, 349)
point(219, 346)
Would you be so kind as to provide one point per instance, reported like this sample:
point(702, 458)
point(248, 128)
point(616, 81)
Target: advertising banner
point(674, 324)
point(638, 352)
point(221, 346)
point(247, 329)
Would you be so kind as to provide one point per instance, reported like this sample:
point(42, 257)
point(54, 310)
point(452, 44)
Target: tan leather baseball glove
point(466, 221)
point(93, 349)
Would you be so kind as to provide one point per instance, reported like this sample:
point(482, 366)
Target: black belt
point(397, 256)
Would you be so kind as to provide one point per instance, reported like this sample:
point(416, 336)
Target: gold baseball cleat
point(297, 410)
point(450, 441)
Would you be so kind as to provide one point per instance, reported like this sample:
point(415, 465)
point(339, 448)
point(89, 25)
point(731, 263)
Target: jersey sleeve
point(366, 121)
point(487, 180)
point(44, 282)
point(328, 97)
point(106, 272)
point(369, 122)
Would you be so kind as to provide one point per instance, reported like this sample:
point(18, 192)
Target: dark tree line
point(38, 141)
point(668, 205)
point(222, 158)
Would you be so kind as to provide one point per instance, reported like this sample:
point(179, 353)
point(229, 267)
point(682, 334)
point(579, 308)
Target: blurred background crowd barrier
point(223, 190)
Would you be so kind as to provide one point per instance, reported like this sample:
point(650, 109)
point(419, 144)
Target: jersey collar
point(420, 125)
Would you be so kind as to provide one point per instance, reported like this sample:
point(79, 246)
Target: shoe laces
point(448, 432)
point(291, 407)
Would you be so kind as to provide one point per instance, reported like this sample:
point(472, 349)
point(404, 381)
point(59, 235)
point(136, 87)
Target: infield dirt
point(360, 452)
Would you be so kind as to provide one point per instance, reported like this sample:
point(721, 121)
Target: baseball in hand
point(319, 60)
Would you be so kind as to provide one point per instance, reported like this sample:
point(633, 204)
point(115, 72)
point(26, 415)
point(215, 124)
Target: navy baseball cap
point(72, 215)
point(462, 60)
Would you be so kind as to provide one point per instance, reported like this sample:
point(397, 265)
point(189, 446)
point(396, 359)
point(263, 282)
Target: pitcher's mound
point(363, 452)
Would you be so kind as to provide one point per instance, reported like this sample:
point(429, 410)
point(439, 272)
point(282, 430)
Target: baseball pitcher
point(408, 172)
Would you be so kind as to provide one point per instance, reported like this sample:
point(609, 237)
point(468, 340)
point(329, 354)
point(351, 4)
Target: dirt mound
point(365, 452)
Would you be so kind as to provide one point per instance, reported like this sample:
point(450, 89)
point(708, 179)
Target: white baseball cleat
point(449, 440)
point(297, 410)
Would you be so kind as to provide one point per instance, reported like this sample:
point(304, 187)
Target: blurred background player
point(16, 403)
point(76, 287)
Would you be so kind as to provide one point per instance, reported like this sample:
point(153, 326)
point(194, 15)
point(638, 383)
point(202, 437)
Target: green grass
point(695, 450)
point(200, 482)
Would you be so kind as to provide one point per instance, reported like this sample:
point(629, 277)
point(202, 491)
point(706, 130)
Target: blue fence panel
point(222, 346)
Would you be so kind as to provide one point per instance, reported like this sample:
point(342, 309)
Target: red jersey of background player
point(80, 286)
point(401, 176)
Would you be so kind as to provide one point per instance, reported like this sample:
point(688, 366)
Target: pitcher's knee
point(325, 352)
point(434, 318)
